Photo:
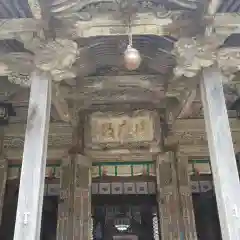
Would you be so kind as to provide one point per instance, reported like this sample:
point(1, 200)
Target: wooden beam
point(30, 199)
point(224, 23)
point(223, 161)
point(11, 28)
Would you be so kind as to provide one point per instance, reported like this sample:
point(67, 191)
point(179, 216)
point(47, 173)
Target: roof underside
point(103, 55)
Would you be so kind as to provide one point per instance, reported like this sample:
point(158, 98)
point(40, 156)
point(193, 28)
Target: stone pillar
point(185, 195)
point(82, 199)
point(167, 194)
point(3, 180)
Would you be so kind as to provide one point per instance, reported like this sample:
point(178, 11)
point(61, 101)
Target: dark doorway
point(49, 218)
point(49, 215)
point(117, 217)
point(206, 216)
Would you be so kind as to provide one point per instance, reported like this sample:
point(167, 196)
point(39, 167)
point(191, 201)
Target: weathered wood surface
point(146, 24)
point(185, 194)
point(116, 129)
point(65, 209)
point(223, 161)
point(3, 180)
point(82, 199)
point(11, 28)
point(167, 195)
point(30, 199)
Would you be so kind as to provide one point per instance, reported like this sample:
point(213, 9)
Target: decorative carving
point(229, 60)
point(21, 79)
point(192, 54)
point(86, 10)
point(35, 8)
point(57, 57)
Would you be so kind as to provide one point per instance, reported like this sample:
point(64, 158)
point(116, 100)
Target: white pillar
point(30, 199)
point(224, 168)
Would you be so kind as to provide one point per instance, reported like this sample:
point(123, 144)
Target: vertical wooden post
point(3, 180)
point(3, 173)
point(223, 162)
point(82, 199)
point(64, 227)
point(167, 194)
point(185, 194)
point(30, 199)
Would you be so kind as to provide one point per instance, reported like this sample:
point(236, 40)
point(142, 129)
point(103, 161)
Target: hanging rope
point(130, 42)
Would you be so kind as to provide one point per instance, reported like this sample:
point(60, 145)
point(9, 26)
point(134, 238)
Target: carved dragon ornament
point(193, 54)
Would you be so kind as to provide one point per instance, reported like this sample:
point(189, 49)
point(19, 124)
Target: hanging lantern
point(132, 58)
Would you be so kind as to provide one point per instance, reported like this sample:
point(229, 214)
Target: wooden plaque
point(115, 129)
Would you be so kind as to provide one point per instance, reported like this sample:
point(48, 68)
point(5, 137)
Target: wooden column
point(82, 199)
point(3, 180)
point(3, 172)
point(74, 213)
point(185, 195)
point(223, 162)
point(168, 198)
point(65, 208)
point(30, 199)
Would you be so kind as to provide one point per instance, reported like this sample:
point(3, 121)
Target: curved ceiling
point(103, 55)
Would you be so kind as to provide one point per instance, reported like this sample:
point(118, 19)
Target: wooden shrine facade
point(70, 92)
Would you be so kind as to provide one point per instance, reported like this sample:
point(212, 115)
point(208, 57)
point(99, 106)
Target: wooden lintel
point(142, 81)
point(52, 153)
point(148, 24)
point(18, 129)
point(194, 125)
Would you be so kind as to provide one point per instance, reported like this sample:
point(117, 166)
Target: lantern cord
point(130, 32)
